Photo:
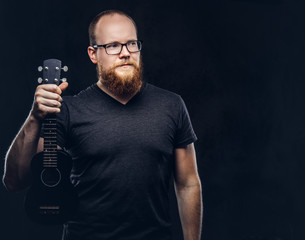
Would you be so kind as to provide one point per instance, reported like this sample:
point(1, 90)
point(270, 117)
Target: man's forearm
point(18, 158)
point(190, 210)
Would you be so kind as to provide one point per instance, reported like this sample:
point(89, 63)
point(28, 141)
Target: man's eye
point(114, 45)
point(132, 43)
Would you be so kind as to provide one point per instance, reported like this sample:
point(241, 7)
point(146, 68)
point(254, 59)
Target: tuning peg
point(65, 68)
point(40, 68)
point(40, 80)
point(63, 79)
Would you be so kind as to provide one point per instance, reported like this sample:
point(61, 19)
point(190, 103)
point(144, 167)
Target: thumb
point(63, 86)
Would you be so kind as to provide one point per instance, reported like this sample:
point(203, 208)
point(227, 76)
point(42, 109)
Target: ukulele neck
point(50, 142)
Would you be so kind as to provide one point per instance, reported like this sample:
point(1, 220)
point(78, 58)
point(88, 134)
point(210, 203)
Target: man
point(127, 139)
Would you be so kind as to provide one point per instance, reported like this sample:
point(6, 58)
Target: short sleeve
point(184, 133)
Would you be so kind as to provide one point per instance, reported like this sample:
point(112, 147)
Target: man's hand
point(47, 100)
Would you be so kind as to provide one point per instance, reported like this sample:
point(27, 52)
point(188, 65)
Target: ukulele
point(51, 198)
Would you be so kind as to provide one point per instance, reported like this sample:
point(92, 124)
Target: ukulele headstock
point(51, 72)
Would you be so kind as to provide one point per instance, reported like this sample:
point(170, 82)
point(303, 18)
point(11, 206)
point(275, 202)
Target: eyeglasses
point(116, 48)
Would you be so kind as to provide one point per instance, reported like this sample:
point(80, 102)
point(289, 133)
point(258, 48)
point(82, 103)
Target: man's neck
point(122, 100)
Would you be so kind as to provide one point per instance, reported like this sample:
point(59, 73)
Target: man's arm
point(188, 192)
point(17, 171)
point(18, 158)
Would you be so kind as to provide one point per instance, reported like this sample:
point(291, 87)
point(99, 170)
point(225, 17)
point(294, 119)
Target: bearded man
point(127, 139)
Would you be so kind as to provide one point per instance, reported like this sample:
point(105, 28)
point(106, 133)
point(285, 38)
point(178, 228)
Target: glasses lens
point(113, 48)
point(134, 46)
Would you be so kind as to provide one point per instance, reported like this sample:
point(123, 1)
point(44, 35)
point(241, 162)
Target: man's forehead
point(114, 26)
point(114, 17)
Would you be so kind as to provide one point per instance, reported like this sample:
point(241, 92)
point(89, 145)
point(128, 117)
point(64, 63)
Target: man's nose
point(124, 52)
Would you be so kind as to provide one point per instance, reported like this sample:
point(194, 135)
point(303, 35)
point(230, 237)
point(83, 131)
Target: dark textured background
point(239, 65)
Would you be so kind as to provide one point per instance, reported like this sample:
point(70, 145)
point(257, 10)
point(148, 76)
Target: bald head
point(106, 18)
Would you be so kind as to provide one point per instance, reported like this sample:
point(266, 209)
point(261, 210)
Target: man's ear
point(92, 54)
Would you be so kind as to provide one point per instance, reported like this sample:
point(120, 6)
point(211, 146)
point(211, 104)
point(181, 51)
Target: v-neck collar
point(112, 99)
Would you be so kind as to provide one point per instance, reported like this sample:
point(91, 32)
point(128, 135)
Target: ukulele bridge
point(49, 210)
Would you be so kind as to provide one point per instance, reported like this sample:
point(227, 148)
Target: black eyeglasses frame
point(95, 46)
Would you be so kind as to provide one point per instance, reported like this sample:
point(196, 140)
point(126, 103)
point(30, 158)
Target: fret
point(47, 149)
point(49, 165)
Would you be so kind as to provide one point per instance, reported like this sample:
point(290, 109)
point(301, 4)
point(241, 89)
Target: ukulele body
point(51, 199)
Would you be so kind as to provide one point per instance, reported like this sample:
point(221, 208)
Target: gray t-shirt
point(123, 159)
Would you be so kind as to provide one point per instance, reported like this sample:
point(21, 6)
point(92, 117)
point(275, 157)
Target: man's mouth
point(126, 65)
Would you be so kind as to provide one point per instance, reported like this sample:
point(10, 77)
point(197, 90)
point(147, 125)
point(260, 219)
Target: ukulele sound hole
point(50, 177)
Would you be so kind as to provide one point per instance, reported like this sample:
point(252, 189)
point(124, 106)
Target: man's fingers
point(42, 110)
point(48, 102)
point(50, 88)
point(53, 88)
point(41, 93)
point(63, 86)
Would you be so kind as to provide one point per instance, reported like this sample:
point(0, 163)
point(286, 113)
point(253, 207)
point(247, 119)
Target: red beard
point(121, 85)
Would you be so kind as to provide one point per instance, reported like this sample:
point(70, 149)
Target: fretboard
point(50, 141)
